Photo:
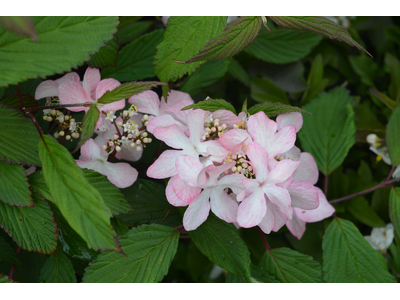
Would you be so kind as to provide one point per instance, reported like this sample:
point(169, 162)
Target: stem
point(112, 155)
point(326, 185)
point(21, 99)
point(262, 236)
point(116, 127)
point(31, 109)
point(13, 266)
point(35, 123)
point(380, 185)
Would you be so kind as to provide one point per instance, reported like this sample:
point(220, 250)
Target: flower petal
point(72, 93)
point(262, 129)
point(234, 137)
point(196, 125)
point(48, 88)
point(280, 218)
point(72, 76)
point(282, 141)
point(296, 226)
point(173, 136)
point(197, 211)
point(122, 175)
point(303, 194)
point(290, 119)
point(324, 210)
point(226, 117)
point(267, 223)
point(171, 196)
point(282, 171)
point(188, 168)
point(184, 191)
point(164, 166)
point(146, 102)
point(105, 85)
point(90, 80)
point(252, 209)
point(223, 206)
point(173, 98)
point(163, 121)
point(280, 197)
point(177, 112)
point(307, 169)
point(233, 181)
point(259, 161)
point(91, 151)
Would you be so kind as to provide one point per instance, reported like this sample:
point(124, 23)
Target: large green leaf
point(359, 207)
point(7, 253)
point(366, 68)
point(135, 60)
point(149, 252)
point(14, 187)
point(184, 37)
point(221, 243)
point(13, 101)
point(79, 202)
point(393, 136)
point(32, 228)
point(258, 275)
point(262, 89)
point(64, 43)
point(22, 25)
point(273, 109)
point(212, 105)
point(282, 46)
point(107, 56)
point(18, 137)
point(148, 200)
point(37, 183)
point(329, 133)
point(315, 80)
point(394, 208)
point(129, 29)
point(348, 257)
point(89, 123)
point(206, 75)
point(319, 25)
point(235, 37)
point(290, 266)
point(58, 269)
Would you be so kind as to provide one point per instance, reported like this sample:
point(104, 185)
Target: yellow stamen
point(378, 158)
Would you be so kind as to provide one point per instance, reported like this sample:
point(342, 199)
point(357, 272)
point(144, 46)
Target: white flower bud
point(235, 126)
point(133, 145)
point(118, 148)
point(130, 136)
point(115, 136)
point(56, 135)
point(125, 113)
point(144, 134)
point(104, 147)
point(75, 135)
point(137, 133)
point(138, 148)
point(138, 142)
point(239, 169)
point(119, 123)
point(219, 128)
point(131, 113)
point(61, 133)
point(110, 144)
point(68, 137)
point(49, 119)
point(223, 126)
point(213, 129)
point(250, 168)
point(233, 169)
point(53, 112)
point(66, 118)
point(45, 118)
point(72, 120)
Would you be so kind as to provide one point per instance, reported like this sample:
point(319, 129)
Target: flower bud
point(68, 137)
point(223, 126)
point(118, 148)
point(56, 135)
point(233, 169)
point(137, 133)
point(119, 123)
point(61, 133)
point(131, 113)
point(115, 136)
point(110, 144)
point(49, 119)
point(213, 129)
point(72, 120)
point(138, 148)
point(53, 112)
point(66, 118)
point(75, 135)
point(45, 118)
point(130, 136)
point(138, 142)
point(133, 145)
point(144, 134)
point(104, 147)
point(125, 113)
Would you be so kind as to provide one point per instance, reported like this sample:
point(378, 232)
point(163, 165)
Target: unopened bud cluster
point(212, 128)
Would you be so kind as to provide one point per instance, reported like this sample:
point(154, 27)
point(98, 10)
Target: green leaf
point(58, 269)
point(273, 109)
point(18, 137)
point(359, 207)
point(149, 252)
point(120, 227)
point(129, 29)
point(315, 80)
point(127, 90)
point(111, 195)
point(366, 68)
point(5, 279)
point(329, 133)
point(135, 60)
point(107, 56)
point(13, 101)
point(89, 123)
point(290, 266)
point(393, 64)
point(262, 89)
point(37, 182)
point(394, 208)
point(184, 37)
point(212, 105)
point(238, 72)
point(393, 136)
point(383, 98)
point(7, 253)
point(32, 228)
point(206, 75)
point(282, 46)
point(348, 257)
point(14, 187)
point(235, 37)
point(64, 43)
point(221, 243)
point(393, 33)
point(79, 202)
point(19, 25)
point(26, 87)
point(319, 25)
point(258, 275)
point(148, 200)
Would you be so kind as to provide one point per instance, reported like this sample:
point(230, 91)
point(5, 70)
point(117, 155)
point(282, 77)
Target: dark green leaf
point(366, 68)
point(120, 227)
point(212, 105)
point(14, 187)
point(393, 136)
point(19, 25)
point(149, 252)
point(393, 33)
point(348, 257)
point(79, 202)
point(319, 25)
point(393, 65)
point(18, 137)
point(262, 89)
point(328, 134)
point(221, 243)
point(315, 80)
point(13, 101)
point(273, 109)
point(32, 228)
point(394, 208)
point(235, 37)
point(89, 123)
point(107, 56)
point(129, 29)
point(37, 182)
point(383, 98)
point(238, 72)
point(58, 269)
point(359, 207)
point(7, 253)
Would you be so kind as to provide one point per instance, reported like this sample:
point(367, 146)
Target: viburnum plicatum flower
point(49, 88)
point(94, 157)
point(381, 238)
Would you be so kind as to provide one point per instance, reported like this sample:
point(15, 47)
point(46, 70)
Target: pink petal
point(212, 174)
point(293, 154)
point(296, 226)
point(259, 160)
point(197, 211)
point(223, 206)
point(267, 223)
point(90, 80)
point(282, 171)
point(164, 166)
point(116, 105)
point(280, 218)
point(252, 209)
point(250, 185)
point(307, 169)
point(324, 210)
point(48, 88)
point(72, 93)
point(281, 198)
point(303, 194)
point(146, 102)
point(121, 175)
point(177, 112)
point(184, 191)
point(129, 153)
point(171, 196)
point(290, 119)
point(226, 117)
point(163, 121)
point(91, 151)
point(233, 181)
point(234, 137)
point(105, 85)
point(282, 141)
point(173, 136)
point(262, 129)
point(68, 77)
point(196, 125)
point(173, 98)
point(188, 168)
point(213, 148)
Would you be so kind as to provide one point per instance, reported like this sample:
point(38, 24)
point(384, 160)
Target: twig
point(326, 185)
point(13, 265)
point(261, 234)
point(32, 109)
point(21, 99)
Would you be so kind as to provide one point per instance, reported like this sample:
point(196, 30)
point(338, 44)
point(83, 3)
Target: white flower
point(130, 127)
point(111, 116)
point(72, 126)
point(373, 140)
point(396, 172)
point(381, 238)
point(382, 153)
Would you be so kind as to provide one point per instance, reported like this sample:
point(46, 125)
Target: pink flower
point(49, 88)
point(93, 157)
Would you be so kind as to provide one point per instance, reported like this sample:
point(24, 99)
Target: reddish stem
point(326, 185)
point(32, 109)
point(35, 123)
point(21, 99)
point(13, 265)
point(261, 234)
point(112, 156)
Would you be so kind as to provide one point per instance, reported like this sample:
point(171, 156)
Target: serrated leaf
point(149, 252)
point(32, 228)
point(329, 133)
point(238, 72)
point(235, 37)
point(273, 109)
point(18, 137)
point(394, 208)
point(221, 243)
point(393, 136)
point(282, 46)
point(212, 105)
point(13, 101)
point(37, 182)
point(393, 65)
point(129, 29)
point(7, 253)
point(19, 25)
point(58, 269)
point(258, 275)
point(206, 75)
point(383, 98)
point(59, 37)
point(359, 207)
point(127, 90)
point(111, 195)
point(148, 200)
point(107, 56)
point(120, 227)
point(183, 38)
point(14, 187)
point(262, 89)
point(366, 68)
point(89, 124)
point(348, 257)
point(5, 279)
point(319, 25)
point(135, 60)
point(315, 80)
point(79, 202)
